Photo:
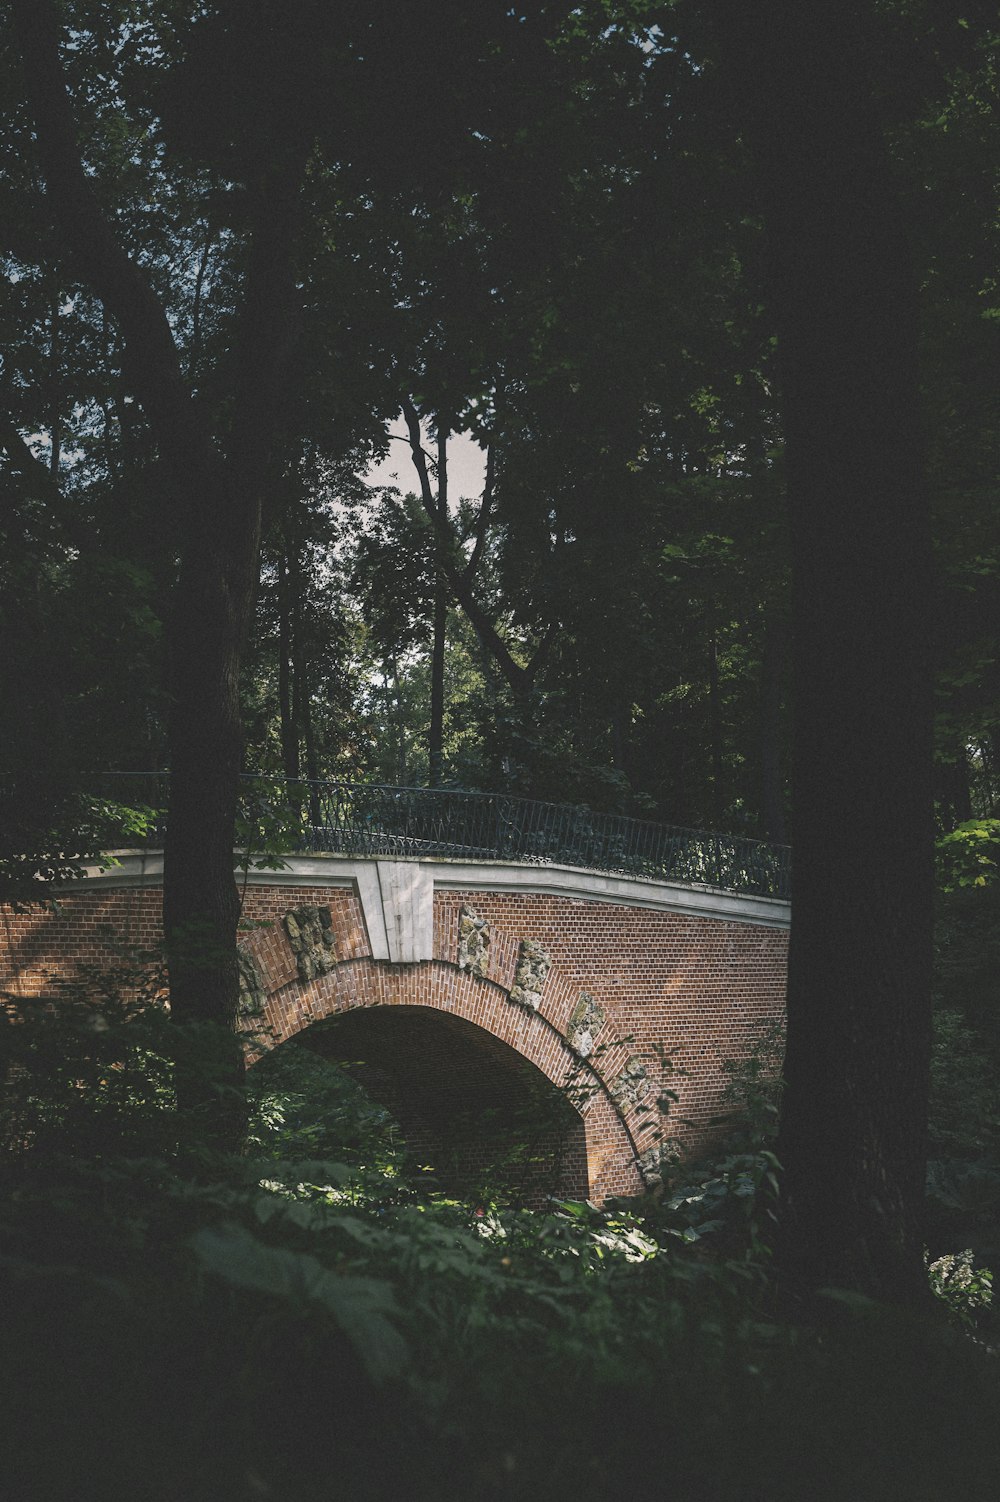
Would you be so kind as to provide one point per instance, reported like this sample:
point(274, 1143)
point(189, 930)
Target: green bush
point(298, 1323)
point(305, 1104)
point(965, 1289)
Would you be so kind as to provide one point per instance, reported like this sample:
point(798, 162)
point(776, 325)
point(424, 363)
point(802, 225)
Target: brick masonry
point(678, 993)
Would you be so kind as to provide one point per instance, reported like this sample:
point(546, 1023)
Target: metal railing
point(360, 818)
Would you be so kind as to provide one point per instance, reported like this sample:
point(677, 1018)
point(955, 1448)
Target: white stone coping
point(384, 876)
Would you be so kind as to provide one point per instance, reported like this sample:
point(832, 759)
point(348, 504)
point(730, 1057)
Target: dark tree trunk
point(194, 352)
point(401, 773)
point(304, 716)
point(620, 746)
point(286, 648)
point(301, 688)
point(435, 735)
point(715, 732)
point(772, 790)
point(200, 901)
point(987, 793)
point(852, 1137)
point(214, 608)
point(962, 787)
point(954, 786)
point(55, 390)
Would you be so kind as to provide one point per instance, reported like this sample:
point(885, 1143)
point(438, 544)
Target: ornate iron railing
point(360, 818)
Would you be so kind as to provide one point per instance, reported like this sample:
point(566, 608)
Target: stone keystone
point(584, 1025)
point(473, 942)
point(533, 965)
point(310, 933)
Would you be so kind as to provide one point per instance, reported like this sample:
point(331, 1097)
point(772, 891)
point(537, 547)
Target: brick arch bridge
point(463, 983)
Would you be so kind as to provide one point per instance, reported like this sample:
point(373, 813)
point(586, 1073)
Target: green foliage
point(967, 959)
point(361, 1307)
point(963, 1204)
point(731, 1195)
point(731, 1199)
point(965, 1091)
point(303, 1104)
point(88, 1068)
point(965, 1289)
point(270, 824)
point(753, 1090)
point(964, 1126)
point(968, 855)
point(51, 833)
point(302, 1312)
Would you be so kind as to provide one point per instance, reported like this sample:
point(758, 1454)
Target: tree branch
point(456, 574)
point(420, 456)
point(35, 471)
point(460, 577)
point(482, 520)
point(541, 652)
point(150, 355)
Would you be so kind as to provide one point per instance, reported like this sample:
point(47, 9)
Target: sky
point(466, 465)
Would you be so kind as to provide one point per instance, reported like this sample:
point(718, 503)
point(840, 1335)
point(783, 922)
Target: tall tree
point(844, 297)
point(217, 485)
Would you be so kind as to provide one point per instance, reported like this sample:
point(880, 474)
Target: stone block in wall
point(584, 1024)
point(473, 942)
point(631, 1087)
point(310, 933)
point(657, 1163)
point(533, 965)
point(253, 990)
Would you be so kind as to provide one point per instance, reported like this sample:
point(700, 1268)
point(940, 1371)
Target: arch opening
point(481, 1118)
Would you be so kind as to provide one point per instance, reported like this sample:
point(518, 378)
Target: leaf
point(360, 1306)
point(317, 1173)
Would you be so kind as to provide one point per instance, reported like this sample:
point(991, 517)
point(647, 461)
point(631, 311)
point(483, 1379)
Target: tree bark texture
point(772, 790)
point(289, 726)
point(852, 1138)
point(715, 732)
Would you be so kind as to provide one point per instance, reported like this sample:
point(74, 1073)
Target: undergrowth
point(310, 1321)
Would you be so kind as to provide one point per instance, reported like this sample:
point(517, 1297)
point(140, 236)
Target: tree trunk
point(401, 772)
point(286, 649)
point(200, 901)
point(301, 694)
point(55, 391)
point(220, 567)
point(304, 716)
point(715, 732)
point(435, 736)
point(852, 1138)
point(772, 790)
point(954, 786)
